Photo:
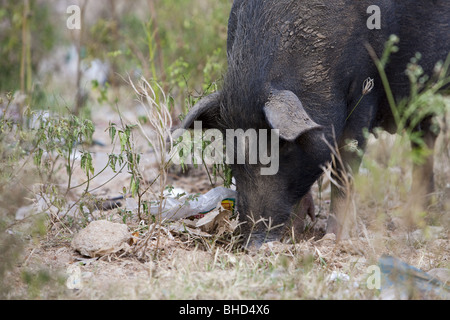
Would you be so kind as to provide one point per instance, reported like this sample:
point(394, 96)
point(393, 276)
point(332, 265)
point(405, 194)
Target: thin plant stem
point(354, 107)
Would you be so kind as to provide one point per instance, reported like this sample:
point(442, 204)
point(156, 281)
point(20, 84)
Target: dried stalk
point(155, 104)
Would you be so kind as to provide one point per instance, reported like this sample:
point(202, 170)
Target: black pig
point(298, 66)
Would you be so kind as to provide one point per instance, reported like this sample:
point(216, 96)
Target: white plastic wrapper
point(175, 209)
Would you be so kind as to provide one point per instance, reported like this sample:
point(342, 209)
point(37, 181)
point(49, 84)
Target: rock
point(441, 274)
point(338, 276)
point(328, 240)
point(24, 212)
point(101, 237)
point(74, 279)
point(429, 233)
point(328, 237)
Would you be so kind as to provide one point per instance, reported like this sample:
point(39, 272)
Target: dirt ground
point(189, 267)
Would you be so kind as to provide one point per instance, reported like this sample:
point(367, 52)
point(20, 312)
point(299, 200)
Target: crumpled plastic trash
point(400, 280)
point(179, 208)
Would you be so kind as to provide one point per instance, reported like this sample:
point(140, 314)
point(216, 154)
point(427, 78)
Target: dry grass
point(190, 266)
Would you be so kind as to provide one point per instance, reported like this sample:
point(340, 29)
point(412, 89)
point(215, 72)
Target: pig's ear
point(206, 110)
point(284, 111)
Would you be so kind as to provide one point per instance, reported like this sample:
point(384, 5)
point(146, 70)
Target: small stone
point(338, 276)
point(101, 237)
point(441, 274)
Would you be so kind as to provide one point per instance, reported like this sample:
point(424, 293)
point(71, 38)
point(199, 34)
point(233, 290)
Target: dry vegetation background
point(48, 73)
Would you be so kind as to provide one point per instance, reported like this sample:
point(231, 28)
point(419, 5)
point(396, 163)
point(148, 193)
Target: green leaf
point(112, 162)
point(112, 131)
point(123, 141)
point(134, 186)
point(86, 163)
point(38, 157)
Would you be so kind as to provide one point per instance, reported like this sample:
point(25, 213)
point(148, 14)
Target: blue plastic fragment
point(409, 281)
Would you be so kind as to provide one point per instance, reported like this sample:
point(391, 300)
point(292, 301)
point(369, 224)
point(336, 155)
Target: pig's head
point(287, 162)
